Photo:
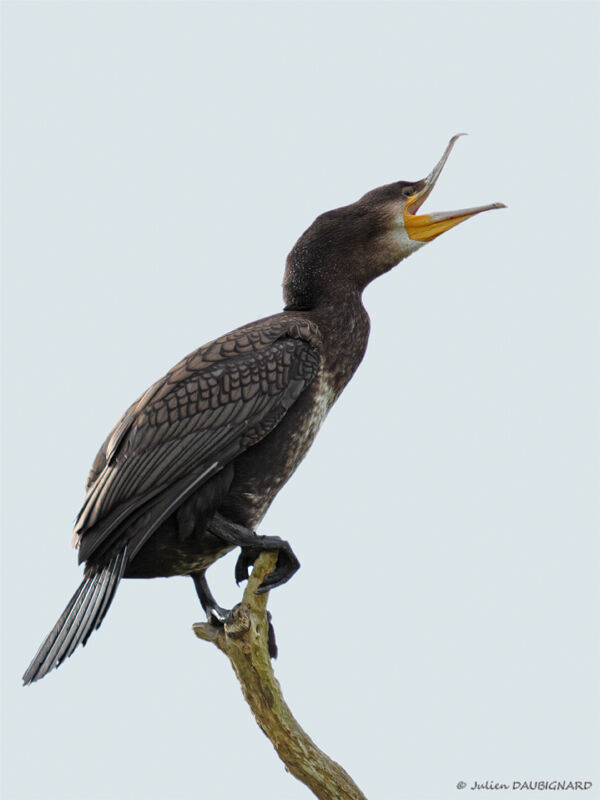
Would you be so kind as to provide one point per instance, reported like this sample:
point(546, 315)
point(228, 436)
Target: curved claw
point(245, 560)
point(218, 616)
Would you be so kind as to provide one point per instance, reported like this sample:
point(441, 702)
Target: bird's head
point(345, 249)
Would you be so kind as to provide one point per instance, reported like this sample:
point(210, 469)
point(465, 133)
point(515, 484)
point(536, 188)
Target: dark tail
point(81, 617)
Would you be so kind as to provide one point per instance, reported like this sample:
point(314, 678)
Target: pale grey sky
point(159, 161)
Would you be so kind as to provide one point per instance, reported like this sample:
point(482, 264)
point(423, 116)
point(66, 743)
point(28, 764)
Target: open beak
point(426, 227)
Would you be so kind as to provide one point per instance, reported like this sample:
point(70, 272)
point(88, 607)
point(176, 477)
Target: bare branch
point(244, 642)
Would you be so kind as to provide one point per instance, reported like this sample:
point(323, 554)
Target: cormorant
point(191, 468)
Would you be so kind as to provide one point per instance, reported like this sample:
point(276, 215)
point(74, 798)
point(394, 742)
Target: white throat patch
point(402, 240)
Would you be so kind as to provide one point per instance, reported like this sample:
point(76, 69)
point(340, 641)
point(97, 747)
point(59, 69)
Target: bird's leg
point(218, 616)
point(252, 545)
point(215, 614)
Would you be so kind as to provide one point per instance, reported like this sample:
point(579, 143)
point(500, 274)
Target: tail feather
point(69, 627)
point(33, 670)
point(108, 591)
point(83, 615)
point(67, 643)
point(94, 605)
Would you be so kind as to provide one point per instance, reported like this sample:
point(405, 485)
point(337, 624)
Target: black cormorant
point(191, 468)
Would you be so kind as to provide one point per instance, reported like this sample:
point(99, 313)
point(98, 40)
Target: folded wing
point(211, 407)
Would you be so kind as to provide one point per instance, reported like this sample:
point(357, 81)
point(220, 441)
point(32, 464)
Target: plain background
point(160, 159)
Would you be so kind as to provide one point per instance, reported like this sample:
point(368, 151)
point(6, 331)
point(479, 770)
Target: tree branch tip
point(206, 631)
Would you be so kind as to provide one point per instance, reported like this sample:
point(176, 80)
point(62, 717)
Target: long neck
point(341, 253)
point(344, 325)
point(317, 274)
point(310, 287)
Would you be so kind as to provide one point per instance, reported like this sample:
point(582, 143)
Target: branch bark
point(244, 642)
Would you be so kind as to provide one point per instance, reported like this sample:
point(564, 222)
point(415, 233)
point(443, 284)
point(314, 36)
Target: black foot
point(215, 614)
point(218, 616)
point(287, 563)
point(252, 546)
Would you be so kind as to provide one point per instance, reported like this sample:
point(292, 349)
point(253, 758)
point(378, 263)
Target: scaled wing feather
point(187, 427)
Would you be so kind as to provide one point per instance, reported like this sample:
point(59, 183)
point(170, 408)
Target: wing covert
point(198, 422)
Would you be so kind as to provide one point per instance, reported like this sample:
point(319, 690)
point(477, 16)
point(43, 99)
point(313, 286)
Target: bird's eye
point(408, 191)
